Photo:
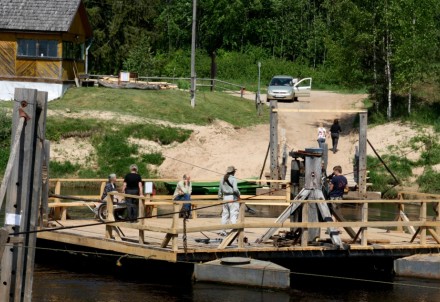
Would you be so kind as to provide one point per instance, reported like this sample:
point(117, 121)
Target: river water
point(57, 285)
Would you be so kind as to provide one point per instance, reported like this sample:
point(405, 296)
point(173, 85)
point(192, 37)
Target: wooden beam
point(422, 217)
point(273, 139)
point(39, 154)
point(109, 245)
point(434, 235)
point(363, 118)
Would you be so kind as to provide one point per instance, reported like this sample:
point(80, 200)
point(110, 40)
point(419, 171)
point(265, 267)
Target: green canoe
point(211, 188)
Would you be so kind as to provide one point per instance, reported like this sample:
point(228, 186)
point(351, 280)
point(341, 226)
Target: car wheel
point(295, 99)
point(268, 100)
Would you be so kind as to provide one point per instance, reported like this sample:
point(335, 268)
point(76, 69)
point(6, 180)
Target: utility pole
point(193, 56)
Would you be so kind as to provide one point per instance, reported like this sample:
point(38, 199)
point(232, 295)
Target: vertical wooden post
point(110, 217)
point(175, 224)
point(437, 207)
point(400, 209)
point(423, 213)
point(39, 154)
point(274, 169)
point(363, 123)
point(305, 218)
point(142, 213)
point(19, 198)
point(364, 214)
point(45, 185)
point(363, 155)
point(241, 220)
point(57, 210)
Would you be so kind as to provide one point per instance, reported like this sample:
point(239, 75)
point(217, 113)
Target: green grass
point(168, 105)
point(114, 153)
point(429, 182)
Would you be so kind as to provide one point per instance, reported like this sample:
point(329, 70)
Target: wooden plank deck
point(382, 242)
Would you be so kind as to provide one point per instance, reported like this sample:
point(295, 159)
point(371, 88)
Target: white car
point(287, 88)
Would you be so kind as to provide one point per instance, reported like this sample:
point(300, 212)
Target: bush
point(5, 138)
point(57, 169)
point(429, 181)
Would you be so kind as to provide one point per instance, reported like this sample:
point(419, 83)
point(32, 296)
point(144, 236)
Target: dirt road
point(215, 147)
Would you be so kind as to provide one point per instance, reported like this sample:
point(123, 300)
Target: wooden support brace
point(434, 235)
point(339, 217)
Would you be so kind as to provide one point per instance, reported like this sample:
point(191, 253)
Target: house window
point(73, 51)
point(37, 48)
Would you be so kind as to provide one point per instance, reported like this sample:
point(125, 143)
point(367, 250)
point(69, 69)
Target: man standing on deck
point(228, 191)
point(338, 184)
point(132, 186)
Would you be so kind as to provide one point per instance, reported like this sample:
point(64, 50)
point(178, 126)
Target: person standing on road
point(183, 193)
point(133, 186)
point(335, 130)
point(322, 134)
point(228, 191)
point(338, 184)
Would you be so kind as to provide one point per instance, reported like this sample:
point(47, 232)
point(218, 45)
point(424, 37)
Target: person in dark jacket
point(335, 130)
point(132, 186)
point(110, 186)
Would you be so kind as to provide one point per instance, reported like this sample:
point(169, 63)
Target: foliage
point(5, 138)
point(346, 43)
point(429, 181)
point(381, 179)
point(114, 153)
point(57, 169)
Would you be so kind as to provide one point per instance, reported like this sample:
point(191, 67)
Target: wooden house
point(41, 42)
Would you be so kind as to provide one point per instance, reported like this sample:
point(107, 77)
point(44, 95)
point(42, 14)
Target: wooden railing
point(61, 208)
point(361, 237)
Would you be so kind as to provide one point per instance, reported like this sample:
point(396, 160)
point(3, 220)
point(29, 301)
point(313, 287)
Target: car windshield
point(280, 82)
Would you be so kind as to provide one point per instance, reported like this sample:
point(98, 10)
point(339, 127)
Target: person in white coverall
point(228, 191)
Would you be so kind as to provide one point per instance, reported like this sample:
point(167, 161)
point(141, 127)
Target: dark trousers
point(132, 205)
point(186, 208)
point(335, 139)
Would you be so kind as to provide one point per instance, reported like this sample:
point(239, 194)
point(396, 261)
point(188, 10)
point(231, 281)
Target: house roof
point(41, 15)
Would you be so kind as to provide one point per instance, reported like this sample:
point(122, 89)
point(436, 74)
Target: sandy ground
point(220, 145)
point(210, 149)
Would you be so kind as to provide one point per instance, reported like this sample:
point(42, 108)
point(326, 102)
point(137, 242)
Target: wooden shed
point(41, 42)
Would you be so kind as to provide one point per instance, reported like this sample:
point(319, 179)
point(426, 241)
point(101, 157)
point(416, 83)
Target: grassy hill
point(80, 115)
point(167, 105)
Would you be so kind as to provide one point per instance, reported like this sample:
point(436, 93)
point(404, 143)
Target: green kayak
point(211, 188)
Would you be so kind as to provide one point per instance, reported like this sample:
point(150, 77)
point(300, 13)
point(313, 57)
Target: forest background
point(390, 48)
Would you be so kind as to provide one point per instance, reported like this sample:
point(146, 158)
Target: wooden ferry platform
point(169, 238)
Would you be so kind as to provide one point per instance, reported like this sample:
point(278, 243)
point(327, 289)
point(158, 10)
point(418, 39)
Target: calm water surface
point(54, 285)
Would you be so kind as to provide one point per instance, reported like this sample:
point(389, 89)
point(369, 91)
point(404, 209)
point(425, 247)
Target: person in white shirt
point(228, 191)
point(322, 135)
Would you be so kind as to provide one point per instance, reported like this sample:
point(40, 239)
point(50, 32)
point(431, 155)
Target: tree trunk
point(409, 100)
point(388, 75)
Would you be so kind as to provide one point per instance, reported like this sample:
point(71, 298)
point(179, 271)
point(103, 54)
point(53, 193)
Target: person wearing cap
point(228, 191)
point(133, 186)
point(183, 192)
